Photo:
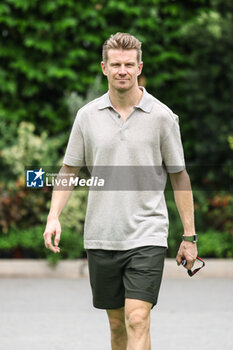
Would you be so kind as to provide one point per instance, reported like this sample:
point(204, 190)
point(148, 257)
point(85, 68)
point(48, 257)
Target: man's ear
point(104, 69)
point(140, 68)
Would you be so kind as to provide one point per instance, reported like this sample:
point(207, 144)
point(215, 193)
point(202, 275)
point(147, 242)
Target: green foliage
point(207, 91)
point(45, 50)
point(230, 140)
point(76, 101)
point(31, 149)
point(29, 242)
point(20, 207)
point(73, 215)
point(211, 244)
point(53, 47)
point(215, 245)
point(8, 132)
point(213, 215)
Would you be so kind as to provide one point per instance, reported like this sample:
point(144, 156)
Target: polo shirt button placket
point(122, 131)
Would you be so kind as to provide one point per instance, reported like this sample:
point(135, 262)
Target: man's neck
point(124, 100)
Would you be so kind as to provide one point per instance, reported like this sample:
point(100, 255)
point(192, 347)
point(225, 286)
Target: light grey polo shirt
point(150, 137)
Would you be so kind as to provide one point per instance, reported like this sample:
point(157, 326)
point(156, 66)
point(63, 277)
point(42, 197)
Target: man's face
point(122, 69)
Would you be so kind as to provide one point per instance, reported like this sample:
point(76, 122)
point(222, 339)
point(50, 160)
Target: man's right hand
point(53, 228)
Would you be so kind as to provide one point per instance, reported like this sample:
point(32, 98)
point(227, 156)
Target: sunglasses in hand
point(193, 272)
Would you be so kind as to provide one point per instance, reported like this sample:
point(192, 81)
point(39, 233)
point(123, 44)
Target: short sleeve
point(172, 150)
point(75, 151)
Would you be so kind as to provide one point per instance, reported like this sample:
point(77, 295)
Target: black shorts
point(116, 275)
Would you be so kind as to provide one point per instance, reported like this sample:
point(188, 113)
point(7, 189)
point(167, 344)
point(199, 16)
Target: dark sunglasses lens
point(190, 273)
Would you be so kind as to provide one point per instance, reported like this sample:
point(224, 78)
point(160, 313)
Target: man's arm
point(184, 202)
point(60, 197)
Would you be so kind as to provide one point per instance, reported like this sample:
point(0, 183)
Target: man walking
point(125, 232)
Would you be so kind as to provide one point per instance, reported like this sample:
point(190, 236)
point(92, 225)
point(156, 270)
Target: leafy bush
point(76, 101)
point(215, 245)
point(73, 215)
point(213, 210)
point(206, 95)
point(31, 150)
point(213, 215)
point(211, 244)
point(29, 242)
point(22, 207)
point(19, 206)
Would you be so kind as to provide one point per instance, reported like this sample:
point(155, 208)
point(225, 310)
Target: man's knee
point(117, 326)
point(138, 317)
point(117, 322)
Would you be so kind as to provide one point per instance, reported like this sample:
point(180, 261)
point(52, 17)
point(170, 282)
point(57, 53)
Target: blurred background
point(50, 56)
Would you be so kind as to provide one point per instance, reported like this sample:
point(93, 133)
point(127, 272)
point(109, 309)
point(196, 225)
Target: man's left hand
point(188, 252)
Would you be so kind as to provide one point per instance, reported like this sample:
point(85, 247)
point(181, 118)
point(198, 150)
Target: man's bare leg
point(118, 330)
point(137, 319)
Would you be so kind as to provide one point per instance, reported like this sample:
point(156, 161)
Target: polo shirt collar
point(105, 101)
point(145, 103)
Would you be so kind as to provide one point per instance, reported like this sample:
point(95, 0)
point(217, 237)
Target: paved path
point(57, 314)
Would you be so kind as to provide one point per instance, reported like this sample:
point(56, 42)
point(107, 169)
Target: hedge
point(29, 243)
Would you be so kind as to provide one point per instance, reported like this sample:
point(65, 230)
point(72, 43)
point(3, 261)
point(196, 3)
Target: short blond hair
point(124, 41)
